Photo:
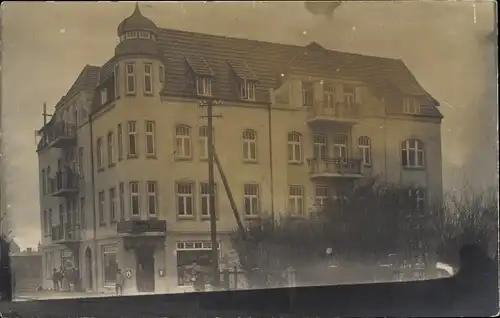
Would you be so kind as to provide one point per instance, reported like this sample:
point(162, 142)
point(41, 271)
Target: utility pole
point(211, 191)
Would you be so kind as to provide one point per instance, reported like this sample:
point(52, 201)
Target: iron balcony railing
point(64, 182)
point(58, 135)
point(65, 232)
point(332, 111)
point(335, 165)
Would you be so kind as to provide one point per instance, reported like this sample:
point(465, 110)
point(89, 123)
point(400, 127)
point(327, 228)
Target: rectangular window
point(80, 162)
point(100, 154)
point(150, 139)
point(349, 95)
point(321, 196)
point(251, 200)
point(130, 68)
point(203, 139)
point(148, 78)
point(184, 194)
point(43, 182)
point(340, 147)
point(117, 81)
point(205, 199)
point(411, 106)
point(102, 215)
point(162, 74)
point(204, 86)
point(104, 96)
point(152, 199)
point(249, 145)
point(417, 200)
point(329, 99)
point(122, 200)
point(110, 265)
point(49, 225)
point(83, 218)
point(187, 253)
point(132, 138)
point(111, 149)
point(135, 202)
point(294, 147)
point(120, 141)
point(49, 265)
point(307, 93)
point(247, 90)
point(112, 205)
point(296, 200)
point(183, 142)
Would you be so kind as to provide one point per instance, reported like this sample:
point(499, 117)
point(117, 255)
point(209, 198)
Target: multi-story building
point(123, 160)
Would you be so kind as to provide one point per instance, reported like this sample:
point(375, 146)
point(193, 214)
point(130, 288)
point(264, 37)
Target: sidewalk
point(45, 295)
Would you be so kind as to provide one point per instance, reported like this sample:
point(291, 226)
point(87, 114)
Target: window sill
point(130, 94)
point(185, 217)
point(414, 167)
point(153, 216)
point(250, 161)
point(111, 165)
point(295, 163)
point(100, 169)
point(149, 94)
point(208, 218)
point(183, 159)
point(252, 217)
point(203, 159)
point(102, 224)
point(153, 157)
point(132, 156)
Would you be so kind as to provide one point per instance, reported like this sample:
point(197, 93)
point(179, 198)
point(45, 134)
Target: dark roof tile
point(86, 81)
point(268, 61)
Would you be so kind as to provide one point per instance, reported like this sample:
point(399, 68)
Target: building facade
point(123, 159)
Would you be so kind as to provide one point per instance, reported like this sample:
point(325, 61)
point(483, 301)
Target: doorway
point(88, 268)
point(145, 278)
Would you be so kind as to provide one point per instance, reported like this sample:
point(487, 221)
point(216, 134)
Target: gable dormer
point(245, 79)
point(200, 75)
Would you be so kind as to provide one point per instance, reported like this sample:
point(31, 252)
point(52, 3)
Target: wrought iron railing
point(332, 110)
point(335, 165)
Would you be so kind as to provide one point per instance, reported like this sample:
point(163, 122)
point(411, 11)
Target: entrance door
point(145, 277)
point(88, 268)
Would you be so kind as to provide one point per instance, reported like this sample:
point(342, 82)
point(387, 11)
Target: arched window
point(319, 146)
point(183, 141)
point(365, 144)
point(412, 153)
point(294, 147)
point(340, 146)
point(249, 145)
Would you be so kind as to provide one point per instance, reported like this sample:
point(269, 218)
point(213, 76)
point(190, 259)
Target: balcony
point(65, 233)
point(324, 113)
point(60, 135)
point(142, 227)
point(335, 168)
point(64, 184)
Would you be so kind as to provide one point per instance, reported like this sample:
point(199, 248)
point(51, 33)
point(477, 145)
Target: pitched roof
point(86, 81)
point(268, 61)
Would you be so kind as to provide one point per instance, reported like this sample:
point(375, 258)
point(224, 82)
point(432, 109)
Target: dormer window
point(247, 90)
point(204, 86)
point(411, 106)
point(144, 35)
point(104, 96)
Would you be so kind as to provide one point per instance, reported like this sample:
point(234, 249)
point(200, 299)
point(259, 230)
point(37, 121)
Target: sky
point(45, 46)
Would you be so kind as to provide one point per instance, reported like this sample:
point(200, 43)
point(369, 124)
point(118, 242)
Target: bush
point(375, 220)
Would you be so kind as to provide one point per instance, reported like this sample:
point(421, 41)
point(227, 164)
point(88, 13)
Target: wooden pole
point(211, 189)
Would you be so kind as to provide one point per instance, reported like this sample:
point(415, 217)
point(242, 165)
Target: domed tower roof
point(137, 22)
point(138, 35)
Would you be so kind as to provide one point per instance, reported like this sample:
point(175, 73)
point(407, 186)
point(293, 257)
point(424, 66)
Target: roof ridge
point(220, 36)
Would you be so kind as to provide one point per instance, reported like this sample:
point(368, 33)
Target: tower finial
point(137, 6)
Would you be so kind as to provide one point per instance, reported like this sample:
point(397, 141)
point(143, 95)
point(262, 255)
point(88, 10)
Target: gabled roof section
point(199, 65)
point(86, 81)
point(242, 70)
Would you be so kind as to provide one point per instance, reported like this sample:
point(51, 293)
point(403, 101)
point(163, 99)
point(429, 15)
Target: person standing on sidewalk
point(120, 281)
point(55, 279)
